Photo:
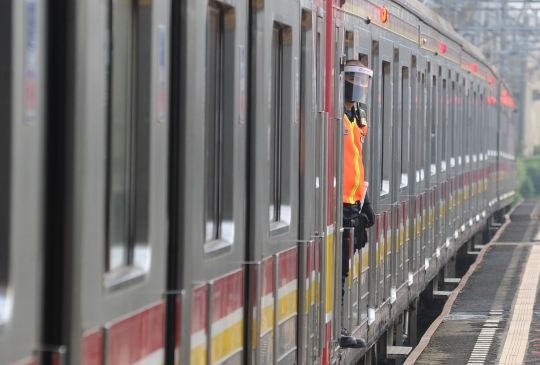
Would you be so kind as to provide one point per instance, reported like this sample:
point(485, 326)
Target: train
point(172, 171)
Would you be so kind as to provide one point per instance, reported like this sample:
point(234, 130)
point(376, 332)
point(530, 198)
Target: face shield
point(358, 84)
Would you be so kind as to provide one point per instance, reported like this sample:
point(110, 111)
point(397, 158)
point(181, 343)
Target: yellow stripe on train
point(198, 355)
point(329, 272)
point(227, 341)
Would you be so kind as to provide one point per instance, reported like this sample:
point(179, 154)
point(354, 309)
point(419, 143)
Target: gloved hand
point(370, 214)
point(360, 232)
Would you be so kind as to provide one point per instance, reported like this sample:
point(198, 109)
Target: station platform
point(493, 316)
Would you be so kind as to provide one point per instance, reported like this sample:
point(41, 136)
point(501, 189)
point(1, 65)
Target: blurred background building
point(508, 33)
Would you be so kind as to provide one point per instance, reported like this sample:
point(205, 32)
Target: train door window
point(386, 148)
point(433, 126)
point(466, 119)
point(405, 125)
point(5, 148)
point(278, 148)
point(128, 142)
point(367, 109)
point(474, 127)
point(452, 126)
point(349, 45)
point(459, 124)
point(219, 127)
point(421, 127)
point(444, 126)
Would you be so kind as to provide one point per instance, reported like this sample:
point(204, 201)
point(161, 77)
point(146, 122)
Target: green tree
point(533, 172)
point(527, 188)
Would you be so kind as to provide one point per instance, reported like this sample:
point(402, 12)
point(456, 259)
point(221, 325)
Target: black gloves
point(367, 210)
point(360, 232)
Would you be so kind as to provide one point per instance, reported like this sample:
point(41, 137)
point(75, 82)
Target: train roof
point(437, 22)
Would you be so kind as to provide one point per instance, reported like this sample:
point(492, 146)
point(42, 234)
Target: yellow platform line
point(516, 342)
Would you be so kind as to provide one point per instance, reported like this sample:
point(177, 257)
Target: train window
point(219, 127)
point(281, 73)
point(5, 148)
point(421, 126)
point(386, 148)
point(425, 128)
point(444, 126)
point(452, 128)
point(405, 125)
point(481, 136)
point(433, 126)
point(474, 126)
point(128, 142)
point(349, 45)
point(467, 121)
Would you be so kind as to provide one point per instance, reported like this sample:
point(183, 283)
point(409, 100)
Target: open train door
point(312, 192)
point(362, 268)
point(274, 163)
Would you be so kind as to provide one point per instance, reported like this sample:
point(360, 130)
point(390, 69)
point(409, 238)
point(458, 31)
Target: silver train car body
point(172, 173)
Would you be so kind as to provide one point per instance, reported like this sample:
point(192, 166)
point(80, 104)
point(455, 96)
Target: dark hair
point(353, 62)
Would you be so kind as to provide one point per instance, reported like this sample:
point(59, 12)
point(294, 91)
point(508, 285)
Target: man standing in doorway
point(357, 211)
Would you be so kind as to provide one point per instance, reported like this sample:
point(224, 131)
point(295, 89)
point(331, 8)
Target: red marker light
point(442, 47)
point(473, 67)
point(384, 14)
point(491, 79)
point(504, 93)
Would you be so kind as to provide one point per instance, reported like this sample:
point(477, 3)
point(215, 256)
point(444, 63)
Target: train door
point(382, 199)
point(432, 161)
point(423, 164)
point(212, 219)
point(442, 189)
point(415, 166)
point(335, 218)
point(312, 185)
point(474, 155)
point(363, 267)
point(274, 150)
point(120, 185)
point(401, 182)
point(466, 153)
point(484, 130)
point(452, 136)
point(22, 87)
point(354, 309)
point(460, 148)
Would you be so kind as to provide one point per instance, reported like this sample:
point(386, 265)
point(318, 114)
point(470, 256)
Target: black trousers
point(350, 213)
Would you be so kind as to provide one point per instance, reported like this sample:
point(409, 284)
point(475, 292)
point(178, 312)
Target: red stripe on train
point(288, 266)
point(92, 347)
point(228, 295)
point(268, 276)
point(137, 336)
point(199, 309)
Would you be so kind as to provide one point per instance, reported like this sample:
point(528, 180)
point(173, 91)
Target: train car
point(172, 174)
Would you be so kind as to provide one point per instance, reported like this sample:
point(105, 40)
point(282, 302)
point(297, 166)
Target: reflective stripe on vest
point(353, 167)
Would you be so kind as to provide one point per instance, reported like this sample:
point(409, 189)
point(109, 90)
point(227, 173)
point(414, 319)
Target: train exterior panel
point(173, 176)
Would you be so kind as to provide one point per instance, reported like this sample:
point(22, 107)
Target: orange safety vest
point(353, 166)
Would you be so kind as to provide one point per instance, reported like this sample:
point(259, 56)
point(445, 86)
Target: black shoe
point(347, 342)
point(358, 342)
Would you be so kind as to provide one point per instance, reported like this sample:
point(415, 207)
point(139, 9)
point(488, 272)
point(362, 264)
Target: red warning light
point(384, 14)
point(473, 67)
point(491, 79)
point(504, 93)
point(442, 47)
